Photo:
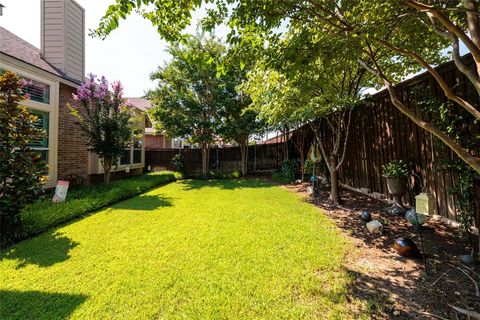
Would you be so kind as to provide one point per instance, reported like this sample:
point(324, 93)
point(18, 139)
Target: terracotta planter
point(397, 187)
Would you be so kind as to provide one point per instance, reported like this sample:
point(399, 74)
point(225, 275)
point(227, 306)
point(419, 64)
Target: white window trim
point(52, 109)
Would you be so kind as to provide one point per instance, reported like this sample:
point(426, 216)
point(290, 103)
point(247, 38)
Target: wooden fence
point(261, 158)
point(380, 134)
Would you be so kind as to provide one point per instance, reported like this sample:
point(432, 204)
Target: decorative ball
point(313, 178)
point(419, 220)
point(406, 247)
point(467, 259)
point(365, 216)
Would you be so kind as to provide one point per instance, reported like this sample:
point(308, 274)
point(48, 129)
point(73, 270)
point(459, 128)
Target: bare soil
point(398, 287)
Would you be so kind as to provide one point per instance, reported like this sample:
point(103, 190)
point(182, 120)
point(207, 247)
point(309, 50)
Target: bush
point(395, 169)
point(226, 175)
point(178, 162)
point(291, 169)
point(308, 167)
point(21, 169)
point(289, 172)
point(279, 177)
point(42, 215)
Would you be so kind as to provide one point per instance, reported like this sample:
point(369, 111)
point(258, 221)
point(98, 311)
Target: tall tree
point(395, 38)
point(321, 92)
point(104, 119)
point(238, 121)
point(190, 95)
point(22, 171)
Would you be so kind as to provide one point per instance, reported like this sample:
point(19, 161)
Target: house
point(153, 139)
point(53, 73)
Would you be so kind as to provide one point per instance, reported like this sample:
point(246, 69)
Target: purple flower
point(117, 88)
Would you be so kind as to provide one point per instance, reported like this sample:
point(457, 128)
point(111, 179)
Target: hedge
point(44, 214)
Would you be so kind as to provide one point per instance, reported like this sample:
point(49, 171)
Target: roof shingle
point(16, 47)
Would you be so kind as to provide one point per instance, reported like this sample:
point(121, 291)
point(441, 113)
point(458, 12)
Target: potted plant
point(396, 173)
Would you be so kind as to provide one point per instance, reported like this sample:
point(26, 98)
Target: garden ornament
point(365, 216)
point(406, 248)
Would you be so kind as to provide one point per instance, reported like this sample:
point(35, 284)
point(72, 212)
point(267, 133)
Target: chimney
point(63, 36)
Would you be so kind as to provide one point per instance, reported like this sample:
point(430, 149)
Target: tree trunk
point(107, 167)
point(285, 144)
point(205, 160)
point(334, 191)
point(302, 160)
point(244, 158)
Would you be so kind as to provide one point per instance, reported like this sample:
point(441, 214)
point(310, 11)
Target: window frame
point(51, 108)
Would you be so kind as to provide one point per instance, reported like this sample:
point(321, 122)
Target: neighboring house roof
point(276, 139)
point(143, 105)
point(20, 49)
point(140, 103)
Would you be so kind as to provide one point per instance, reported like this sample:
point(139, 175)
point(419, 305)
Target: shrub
point(279, 177)
point(226, 175)
point(395, 169)
point(291, 169)
point(178, 162)
point(308, 169)
point(21, 169)
point(45, 214)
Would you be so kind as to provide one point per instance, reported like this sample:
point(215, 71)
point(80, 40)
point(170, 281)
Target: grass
point(45, 214)
point(230, 249)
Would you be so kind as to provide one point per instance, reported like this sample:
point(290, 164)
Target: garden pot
point(397, 187)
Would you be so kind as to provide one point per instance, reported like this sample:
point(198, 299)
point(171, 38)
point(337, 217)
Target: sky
point(128, 54)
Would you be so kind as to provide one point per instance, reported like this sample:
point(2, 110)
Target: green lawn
point(189, 250)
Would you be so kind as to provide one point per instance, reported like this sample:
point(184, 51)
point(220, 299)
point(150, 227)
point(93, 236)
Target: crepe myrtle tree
point(191, 93)
point(320, 92)
point(104, 119)
point(22, 171)
point(394, 39)
point(238, 121)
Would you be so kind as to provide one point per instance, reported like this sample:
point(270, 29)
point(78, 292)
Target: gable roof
point(20, 49)
point(140, 103)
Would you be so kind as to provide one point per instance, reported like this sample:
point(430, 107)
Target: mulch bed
point(398, 287)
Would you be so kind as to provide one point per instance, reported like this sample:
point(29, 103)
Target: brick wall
point(72, 147)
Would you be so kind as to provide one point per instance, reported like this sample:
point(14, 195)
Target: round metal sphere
point(406, 247)
point(418, 220)
point(365, 216)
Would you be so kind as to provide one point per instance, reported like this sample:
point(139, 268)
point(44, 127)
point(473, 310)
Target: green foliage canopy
point(21, 169)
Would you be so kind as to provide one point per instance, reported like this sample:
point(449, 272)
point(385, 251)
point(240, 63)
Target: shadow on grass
point(226, 184)
point(44, 250)
point(144, 202)
point(38, 305)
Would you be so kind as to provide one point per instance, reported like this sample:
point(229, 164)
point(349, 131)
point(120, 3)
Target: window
point(38, 91)
point(133, 155)
point(42, 123)
point(125, 157)
point(137, 147)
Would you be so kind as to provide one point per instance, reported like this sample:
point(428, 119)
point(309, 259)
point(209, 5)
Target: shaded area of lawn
point(44, 214)
point(239, 249)
point(38, 305)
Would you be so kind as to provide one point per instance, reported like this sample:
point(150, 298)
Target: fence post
point(255, 157)
point(217, 162)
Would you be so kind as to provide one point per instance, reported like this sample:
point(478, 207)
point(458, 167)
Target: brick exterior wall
point(72, 147)
point(156, 142)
